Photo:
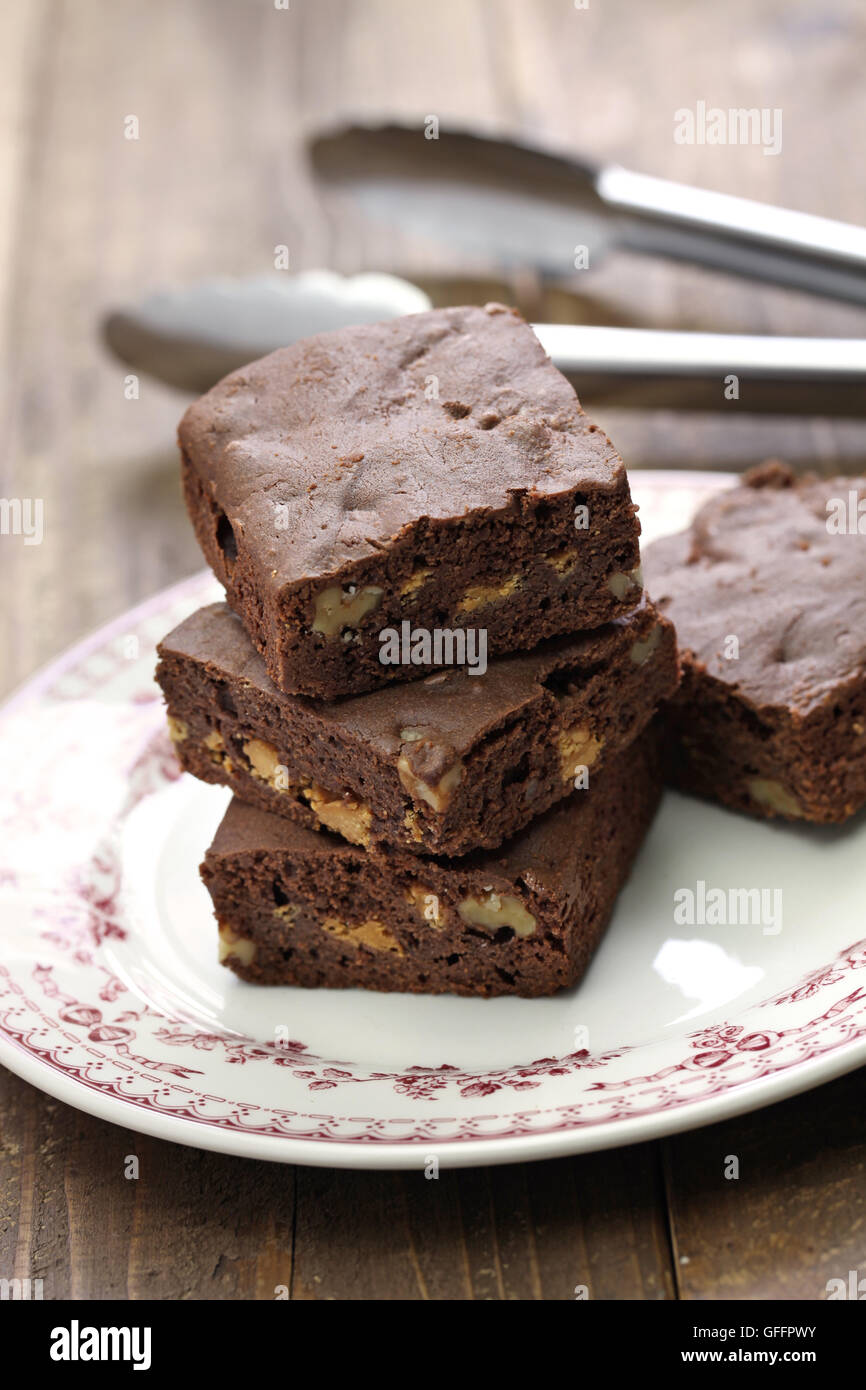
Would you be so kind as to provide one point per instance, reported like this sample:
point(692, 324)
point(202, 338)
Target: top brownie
point(390, 498)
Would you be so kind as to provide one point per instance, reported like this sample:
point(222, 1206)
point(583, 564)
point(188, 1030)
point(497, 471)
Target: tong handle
point(762, 242)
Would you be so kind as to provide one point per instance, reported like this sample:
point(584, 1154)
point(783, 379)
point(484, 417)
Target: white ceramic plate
point(111, 998)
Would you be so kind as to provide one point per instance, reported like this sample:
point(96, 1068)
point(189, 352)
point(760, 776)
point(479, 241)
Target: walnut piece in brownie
point(767, 592)
point(435, 469)
point(440, 766)
point(295, 907)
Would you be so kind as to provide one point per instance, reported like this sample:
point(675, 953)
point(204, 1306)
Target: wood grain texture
point(225, 91)
point(796, 1215)
point(190, 1225)
point(527, 1231)
point(201, 1226)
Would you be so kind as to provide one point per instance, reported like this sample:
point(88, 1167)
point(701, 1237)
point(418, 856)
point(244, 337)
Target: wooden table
point(224, 92)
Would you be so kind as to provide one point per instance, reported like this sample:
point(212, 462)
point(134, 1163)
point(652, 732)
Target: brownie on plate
point(369, 492)
point(301, 908)
point(767, 592)
point(441, 766)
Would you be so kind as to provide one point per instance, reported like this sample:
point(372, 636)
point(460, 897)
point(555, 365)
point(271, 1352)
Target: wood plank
point(192, 1225)
point(100, 220)
point(796, 1216)
point(21, 33)
point(527, 1231)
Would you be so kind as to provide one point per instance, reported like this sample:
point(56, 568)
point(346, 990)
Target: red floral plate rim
point(80, 1052)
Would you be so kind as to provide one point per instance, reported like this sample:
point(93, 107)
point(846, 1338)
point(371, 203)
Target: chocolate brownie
point(367, 493)
point(441, 766)
point(295, 907)
point(767, 592)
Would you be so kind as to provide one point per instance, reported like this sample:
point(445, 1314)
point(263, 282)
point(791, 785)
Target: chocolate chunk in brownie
point(441, 766)
point(295, 907)
point(435, 471)
point(767, 592)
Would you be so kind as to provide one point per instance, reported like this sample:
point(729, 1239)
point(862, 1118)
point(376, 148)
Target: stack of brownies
point(431, 688)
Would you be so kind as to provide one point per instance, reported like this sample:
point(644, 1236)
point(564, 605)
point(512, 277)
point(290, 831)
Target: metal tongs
point(523, 206)
point(524, 209)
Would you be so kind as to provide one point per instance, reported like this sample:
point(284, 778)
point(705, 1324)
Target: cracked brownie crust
point(295, 907)
point(429, 469)
point(441, 766)
point(768, 597)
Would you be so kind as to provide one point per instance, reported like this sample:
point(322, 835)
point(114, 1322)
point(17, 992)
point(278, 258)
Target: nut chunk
point(307, 908)
point(441, 766)
point(432, 466)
